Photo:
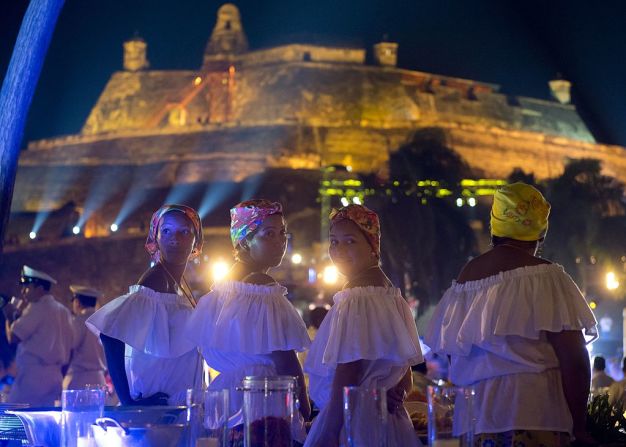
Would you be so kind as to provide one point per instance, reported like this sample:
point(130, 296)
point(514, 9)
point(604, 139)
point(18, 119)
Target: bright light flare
point(471, 201)
point(611, 281)
point(219, 270)
point(296, 258)
point(114, 227)
point(344, 201)
point(459, 202)
point(356, 200)
point(76, 229)
point(330, 275)
point(32, 235)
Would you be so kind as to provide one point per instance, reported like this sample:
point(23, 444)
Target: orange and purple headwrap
point(245, 217)
point(364, 218)
point(151, 242)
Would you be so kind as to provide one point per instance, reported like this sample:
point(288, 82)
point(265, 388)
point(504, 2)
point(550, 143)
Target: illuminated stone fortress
point(294, 107)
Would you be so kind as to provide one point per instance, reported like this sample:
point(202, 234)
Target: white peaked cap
point(30, 272)
point(85, 291)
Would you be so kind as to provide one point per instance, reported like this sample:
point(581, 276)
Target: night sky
point(519, 45)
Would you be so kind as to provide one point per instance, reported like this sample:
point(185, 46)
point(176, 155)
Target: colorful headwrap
point(151, 242)
point(245, 217)
point(364, 218)
point(519, 212)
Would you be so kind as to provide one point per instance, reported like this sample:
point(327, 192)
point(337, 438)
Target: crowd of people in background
point(512, 325)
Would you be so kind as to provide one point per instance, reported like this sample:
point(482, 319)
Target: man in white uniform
point(44, 335)
point(87, 365)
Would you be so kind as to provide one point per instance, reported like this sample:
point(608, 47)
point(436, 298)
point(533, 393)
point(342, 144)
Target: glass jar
point(268, 410)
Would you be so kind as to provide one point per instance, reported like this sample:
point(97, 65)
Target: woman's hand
point(395, 398)
point(151, 401)
point(397, 394)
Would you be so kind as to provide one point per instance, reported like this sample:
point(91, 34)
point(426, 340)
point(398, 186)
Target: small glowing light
point(296, 258)
point(114, 228)
point(471, 201)
point(312, 275)
point(592, 304)
point(32, 235)
point(197, 81)
point(356, 200)
point(349, 168)
point(330, 275)
point(152, 264)
point(327, 306)
point(76, 229)
point(611, 281)
point(219, 270)
point(311, 306)
point(459, 202)
point(345, 201)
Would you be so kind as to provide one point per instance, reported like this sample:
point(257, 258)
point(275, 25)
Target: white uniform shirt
point(87, 354)
point(88, 364)
point(45, 333)
point(46, 339)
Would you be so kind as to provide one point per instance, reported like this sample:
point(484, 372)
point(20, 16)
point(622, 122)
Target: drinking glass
point(80, 409)
point(365, 416)
point(214, 419)
point(450, 416)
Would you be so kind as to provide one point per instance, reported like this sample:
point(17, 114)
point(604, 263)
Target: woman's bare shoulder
point(490, 264)
point(154, 279)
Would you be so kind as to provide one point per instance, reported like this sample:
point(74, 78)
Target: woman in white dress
point(368, 338)
point(512, 324)
point(150, 360)
point(246, 326)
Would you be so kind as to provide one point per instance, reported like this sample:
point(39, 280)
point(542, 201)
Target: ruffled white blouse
point(374, 324)
point(159, 357)
point(495, 331)
point(237, 326)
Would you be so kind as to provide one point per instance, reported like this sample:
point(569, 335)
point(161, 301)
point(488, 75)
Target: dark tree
point(587, 221)
point(426, 239)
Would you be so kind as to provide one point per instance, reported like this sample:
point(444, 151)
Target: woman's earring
point(539, 250)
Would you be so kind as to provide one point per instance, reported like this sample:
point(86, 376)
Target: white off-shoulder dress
point(375, 325)
point(237, 326)
point(495, 329)
point(158, 357)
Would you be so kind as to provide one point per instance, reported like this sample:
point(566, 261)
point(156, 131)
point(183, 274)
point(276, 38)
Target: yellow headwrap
point(519, 212)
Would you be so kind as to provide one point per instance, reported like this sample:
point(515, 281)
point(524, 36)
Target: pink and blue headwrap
point(152, 245)
point(246, 217)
